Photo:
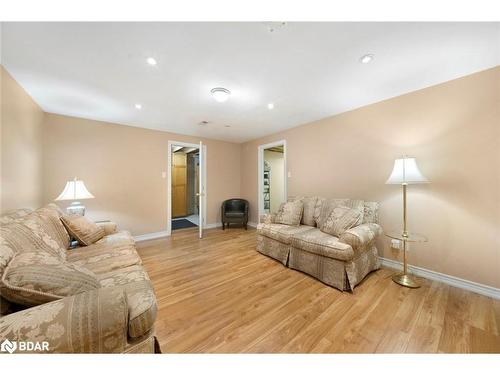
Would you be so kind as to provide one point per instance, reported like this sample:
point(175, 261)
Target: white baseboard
point(212, 226)
point(156, 235)
point(150, 236)
point(251, 224)
point(485, 290)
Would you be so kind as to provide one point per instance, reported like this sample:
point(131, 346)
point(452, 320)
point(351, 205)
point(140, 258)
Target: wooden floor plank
point(219, 295)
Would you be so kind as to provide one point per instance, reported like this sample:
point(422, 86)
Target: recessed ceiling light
point(220, 94)
point(151, 61)
point(270, 106)
point(365, 59)
point(138, 106)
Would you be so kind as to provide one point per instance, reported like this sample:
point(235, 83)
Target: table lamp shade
point(74, 190)
point(405, 172)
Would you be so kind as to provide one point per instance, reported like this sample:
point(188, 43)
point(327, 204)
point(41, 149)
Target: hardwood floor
point(219, 295)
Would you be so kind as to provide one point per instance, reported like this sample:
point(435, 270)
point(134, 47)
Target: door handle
point(200, 195)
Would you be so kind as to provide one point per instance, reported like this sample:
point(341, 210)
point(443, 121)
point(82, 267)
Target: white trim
point(471, 286)
point(150, 236)
point(260, 171)
point(252, 224)
point(169, 180)
point(162, 234)
point(212, 226)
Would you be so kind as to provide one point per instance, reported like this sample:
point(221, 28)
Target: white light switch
point(163, 174)
point(289, 174)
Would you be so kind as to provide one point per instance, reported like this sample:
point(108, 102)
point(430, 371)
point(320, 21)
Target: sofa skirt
point(272, 248)
point(339, 274)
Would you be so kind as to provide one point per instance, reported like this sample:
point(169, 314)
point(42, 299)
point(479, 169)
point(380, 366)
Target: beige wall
point(277, 163)
point(122, 166)
point(21, 146)
point(453, 129)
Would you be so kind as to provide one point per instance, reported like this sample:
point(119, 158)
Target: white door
point(201, 179)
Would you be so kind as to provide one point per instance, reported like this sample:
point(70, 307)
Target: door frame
point(203, 207)
point(260, 171)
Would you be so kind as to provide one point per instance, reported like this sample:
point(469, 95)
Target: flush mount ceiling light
point(270, 106)
point(274, 26)
point(365, 59)
point(151, 61)
point(220, 94)
point(138, 106)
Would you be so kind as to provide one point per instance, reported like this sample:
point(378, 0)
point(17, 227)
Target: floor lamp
point(406, 172)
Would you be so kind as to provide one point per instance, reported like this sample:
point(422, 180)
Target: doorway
point(186, 186)
point(272, 179)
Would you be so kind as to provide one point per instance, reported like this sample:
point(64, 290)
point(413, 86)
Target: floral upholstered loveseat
point(113, 309)
point(341, 260)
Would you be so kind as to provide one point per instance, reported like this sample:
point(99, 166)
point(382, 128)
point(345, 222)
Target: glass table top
point(412, 237)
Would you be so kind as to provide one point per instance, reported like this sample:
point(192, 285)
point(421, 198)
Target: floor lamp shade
point(75, 190)
point(405, 172)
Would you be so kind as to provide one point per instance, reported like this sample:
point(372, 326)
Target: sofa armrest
point(108, 226)
point(267, 218)
point(362, 236)
point(90, 322)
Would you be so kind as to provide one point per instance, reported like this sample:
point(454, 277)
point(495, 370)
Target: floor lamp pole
point(403, 278)
point(405, 231)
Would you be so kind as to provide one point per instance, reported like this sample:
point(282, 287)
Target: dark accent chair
point(234, 211)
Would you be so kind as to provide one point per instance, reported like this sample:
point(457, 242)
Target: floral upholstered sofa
point(332, 240)
point(89, 299)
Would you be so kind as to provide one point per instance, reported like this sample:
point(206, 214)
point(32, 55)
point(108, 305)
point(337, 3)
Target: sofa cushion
point(13, 215)
point(290, 213)
point(36, 277)
point(370, 214)
point(341, 219)
point(122, 237)
point(104, 257)
point(108, 227)
point(140, 297)
point(361, 237)
point(309, 209)
point(281, 232)
point(328, 205)
point(85, 231)
point(317, 242)
point(19, 237)
point(45, 223)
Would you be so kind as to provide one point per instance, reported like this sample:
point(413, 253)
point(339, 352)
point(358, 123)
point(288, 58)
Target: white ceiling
point(308, 70)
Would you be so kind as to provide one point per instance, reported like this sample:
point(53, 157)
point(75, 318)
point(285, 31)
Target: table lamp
point(406, 172)
point(75, 190)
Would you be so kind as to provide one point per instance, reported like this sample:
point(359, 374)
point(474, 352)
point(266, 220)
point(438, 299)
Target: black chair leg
point(223, 226)
point(246, 226)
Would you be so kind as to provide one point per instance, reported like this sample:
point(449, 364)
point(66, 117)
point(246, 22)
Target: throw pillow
point(309, 208)
point(329, 204)
point(341, 219)
point(290, 213)
point(85, 231)
point(36, 277)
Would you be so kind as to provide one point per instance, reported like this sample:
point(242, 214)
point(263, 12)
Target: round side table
point(404, 278)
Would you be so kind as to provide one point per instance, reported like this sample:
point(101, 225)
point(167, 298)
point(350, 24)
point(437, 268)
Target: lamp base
point(405, 280)
point(76, 208)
